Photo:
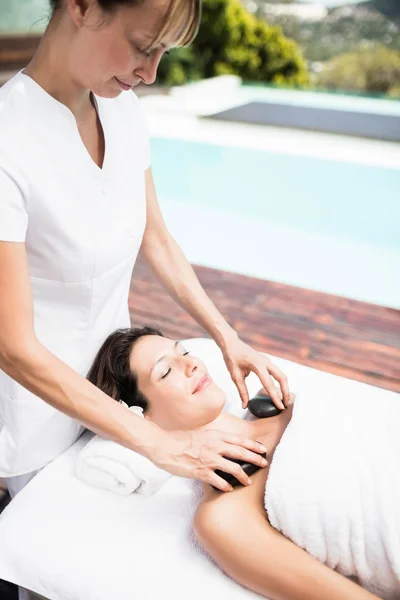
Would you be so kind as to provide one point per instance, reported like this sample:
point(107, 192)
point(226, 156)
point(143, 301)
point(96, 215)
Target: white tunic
point(82, 227)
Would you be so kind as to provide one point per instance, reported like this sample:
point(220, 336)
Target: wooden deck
point(346, 337)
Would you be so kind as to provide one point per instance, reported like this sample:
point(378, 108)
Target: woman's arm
point(234, 529)
point(34, 367)
point(178, 277)
point(176, 274)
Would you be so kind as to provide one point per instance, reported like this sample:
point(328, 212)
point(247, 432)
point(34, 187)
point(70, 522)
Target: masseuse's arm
point(177, 276)
point(27, 361)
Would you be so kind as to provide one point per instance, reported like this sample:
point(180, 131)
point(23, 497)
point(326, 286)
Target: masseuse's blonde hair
point(181, 16)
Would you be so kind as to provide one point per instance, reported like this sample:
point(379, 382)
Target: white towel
point(334, 482)
point(108, 465)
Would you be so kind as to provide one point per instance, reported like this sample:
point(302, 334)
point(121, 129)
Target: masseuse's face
point(180, 391)
point(115, 47)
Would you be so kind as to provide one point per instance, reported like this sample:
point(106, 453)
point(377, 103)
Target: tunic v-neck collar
point(68, 114)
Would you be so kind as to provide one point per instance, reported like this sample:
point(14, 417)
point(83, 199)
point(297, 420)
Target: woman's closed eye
point(169, 370)
point(147, 53)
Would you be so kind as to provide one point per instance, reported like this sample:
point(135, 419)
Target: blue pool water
point(358, 203)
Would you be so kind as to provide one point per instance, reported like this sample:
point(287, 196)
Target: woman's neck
point(49, 67)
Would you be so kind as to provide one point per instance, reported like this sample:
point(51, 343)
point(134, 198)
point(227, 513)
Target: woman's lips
point(203, 383)
point(123, 85)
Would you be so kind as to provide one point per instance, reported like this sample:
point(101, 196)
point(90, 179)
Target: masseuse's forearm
point(46, 376)
point(178, 277)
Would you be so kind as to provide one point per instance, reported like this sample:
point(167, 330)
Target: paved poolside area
point(350, 338)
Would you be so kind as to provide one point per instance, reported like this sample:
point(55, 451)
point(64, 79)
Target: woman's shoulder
point(14, 110)
point(13, 94)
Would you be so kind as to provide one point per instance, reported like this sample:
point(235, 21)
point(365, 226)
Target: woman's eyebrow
point(147, 42)
point(162, 357)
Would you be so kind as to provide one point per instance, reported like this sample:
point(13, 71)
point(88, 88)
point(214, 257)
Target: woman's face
point(109, 50)
point(180, 391)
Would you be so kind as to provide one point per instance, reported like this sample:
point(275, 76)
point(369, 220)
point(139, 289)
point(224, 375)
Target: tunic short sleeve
point(13, 213)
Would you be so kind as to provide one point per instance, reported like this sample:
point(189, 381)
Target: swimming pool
point(329, 225)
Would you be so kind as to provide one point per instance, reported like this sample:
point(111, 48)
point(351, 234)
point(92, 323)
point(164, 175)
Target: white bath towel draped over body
point(334, 482)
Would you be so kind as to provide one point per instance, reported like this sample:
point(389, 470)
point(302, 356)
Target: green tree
point(374, 70)
point(232, 41)
point(343, 29)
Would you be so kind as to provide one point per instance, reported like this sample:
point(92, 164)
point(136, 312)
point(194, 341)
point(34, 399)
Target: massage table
point(66, 540)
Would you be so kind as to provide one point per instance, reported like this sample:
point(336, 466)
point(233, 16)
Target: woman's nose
point(148, 70)
point(190, 365)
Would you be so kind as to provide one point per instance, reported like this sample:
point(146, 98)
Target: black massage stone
point(248, 468)
point(263, 407)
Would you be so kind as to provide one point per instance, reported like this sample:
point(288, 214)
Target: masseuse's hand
point(197, 454)
point(241, 359)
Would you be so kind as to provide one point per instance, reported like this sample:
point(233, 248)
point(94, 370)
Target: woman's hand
point(241, 359)
point(197, 454)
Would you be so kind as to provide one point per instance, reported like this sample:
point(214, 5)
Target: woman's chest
point(83, 221)
point(93, 139)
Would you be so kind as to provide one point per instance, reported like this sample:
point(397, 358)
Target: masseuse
point(77, 200)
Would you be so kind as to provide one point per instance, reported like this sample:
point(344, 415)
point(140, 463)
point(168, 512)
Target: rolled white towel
point(108, 465)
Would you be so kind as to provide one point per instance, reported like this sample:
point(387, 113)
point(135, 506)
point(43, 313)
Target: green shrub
point(394, 91)
point(179, 67)
point(375, 70)
point(232, 41)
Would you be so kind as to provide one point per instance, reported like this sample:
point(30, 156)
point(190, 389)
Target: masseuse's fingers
point(240, 449)
point(197, 454)
point(241, 359)
point(242, 388)
point(282, 380)
point(235, 444)
point(240, 453)
point(270, 387)
point(227, 466)
point(219, 483)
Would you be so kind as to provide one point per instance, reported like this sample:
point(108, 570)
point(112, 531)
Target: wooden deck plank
point(331, 333)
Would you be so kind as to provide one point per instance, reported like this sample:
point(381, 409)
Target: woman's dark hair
point(111, 370)
point(180, 15)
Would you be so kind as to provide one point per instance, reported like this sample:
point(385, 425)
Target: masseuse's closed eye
point(169, 370)
point(147, 53)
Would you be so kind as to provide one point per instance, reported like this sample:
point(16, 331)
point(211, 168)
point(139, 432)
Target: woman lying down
point(327, 504)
